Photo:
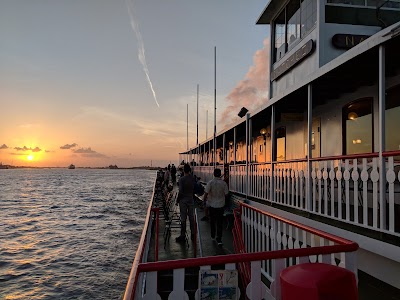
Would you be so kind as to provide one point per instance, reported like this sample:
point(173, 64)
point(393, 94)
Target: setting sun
point(30, 157)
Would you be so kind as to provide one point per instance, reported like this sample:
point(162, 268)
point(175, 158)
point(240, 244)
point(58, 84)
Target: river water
point(70, 234)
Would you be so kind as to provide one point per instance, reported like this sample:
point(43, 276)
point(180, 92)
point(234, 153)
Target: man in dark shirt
point(173, 174)
point(186, 202)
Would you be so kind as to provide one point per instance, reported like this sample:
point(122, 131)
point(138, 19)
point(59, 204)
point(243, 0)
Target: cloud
point(69, 146)
point(4, 146)
point(252, 91)
point(141, 55)
point(84, 150)
point(88, 152)
point(36, 149)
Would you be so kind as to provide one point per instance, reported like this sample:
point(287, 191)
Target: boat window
point(358, 130)
point(392, 120)
point(280, 33)
point(280, 136)
point(348, 2)
point(369, 3)
point(293, 26)
point(308, 16)
point(295, 21)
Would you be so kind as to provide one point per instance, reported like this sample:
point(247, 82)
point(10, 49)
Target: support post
point(309, 148)
point(234, 146)
point(247, 154)
point(382, 137)
point(273, 154)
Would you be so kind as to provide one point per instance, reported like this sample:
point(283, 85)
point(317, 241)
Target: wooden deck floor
point(174, 250)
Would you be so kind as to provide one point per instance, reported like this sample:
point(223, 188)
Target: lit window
point(392, 120)
point(358, 135)
point(280, 143)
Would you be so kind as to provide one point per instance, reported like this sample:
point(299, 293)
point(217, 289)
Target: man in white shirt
point(215, 192)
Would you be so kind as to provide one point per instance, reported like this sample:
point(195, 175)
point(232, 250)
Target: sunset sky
point(100, 82)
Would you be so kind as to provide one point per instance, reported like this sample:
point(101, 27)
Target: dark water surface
point(70, 234)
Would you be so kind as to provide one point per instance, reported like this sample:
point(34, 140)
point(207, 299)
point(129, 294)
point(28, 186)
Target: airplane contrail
point(141, 55)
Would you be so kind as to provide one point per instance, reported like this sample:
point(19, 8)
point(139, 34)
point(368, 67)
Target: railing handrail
point(349, 156)
point(133, 276)
point(320, 233)
point(391, 153)
point(244, 257)
point(322, 158)
point(288, 161)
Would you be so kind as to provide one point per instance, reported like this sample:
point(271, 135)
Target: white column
point(273, 153)
point(309, 148)
point(382, 138)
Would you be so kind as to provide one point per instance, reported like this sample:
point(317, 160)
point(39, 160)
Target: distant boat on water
point(3, 166)
point(71, 166)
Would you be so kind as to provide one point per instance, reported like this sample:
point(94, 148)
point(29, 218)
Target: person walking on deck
point(215, 192)
point(186, 202)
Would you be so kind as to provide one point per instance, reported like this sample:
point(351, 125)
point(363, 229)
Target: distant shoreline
point(95, 168)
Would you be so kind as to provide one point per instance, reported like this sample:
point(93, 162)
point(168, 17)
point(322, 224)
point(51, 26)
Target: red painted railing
point(134, 275)
point(242, 259)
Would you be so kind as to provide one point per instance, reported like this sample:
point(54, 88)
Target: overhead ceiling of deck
point(362, 70)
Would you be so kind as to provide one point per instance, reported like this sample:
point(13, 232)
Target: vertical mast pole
point(215, 104)
point(187, 126)
point(197, 127)
point(206, 124)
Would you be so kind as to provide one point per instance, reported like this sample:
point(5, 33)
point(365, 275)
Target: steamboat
point(314, 173)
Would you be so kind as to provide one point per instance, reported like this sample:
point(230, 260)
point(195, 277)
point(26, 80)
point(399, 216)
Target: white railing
point(350, 190)
point(345, 188)
point(237, 178)
point(262, 232)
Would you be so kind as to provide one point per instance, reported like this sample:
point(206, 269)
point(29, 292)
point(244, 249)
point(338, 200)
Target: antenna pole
point(206, 124)
point(197, 136)
point(215, 106)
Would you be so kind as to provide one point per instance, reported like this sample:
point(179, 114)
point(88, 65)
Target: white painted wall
point(300, 71)
point(327, 51)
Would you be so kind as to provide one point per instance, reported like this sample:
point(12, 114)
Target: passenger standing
point(186, 202)
point(173, 174)
point(215, 192)
point(166, 177)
